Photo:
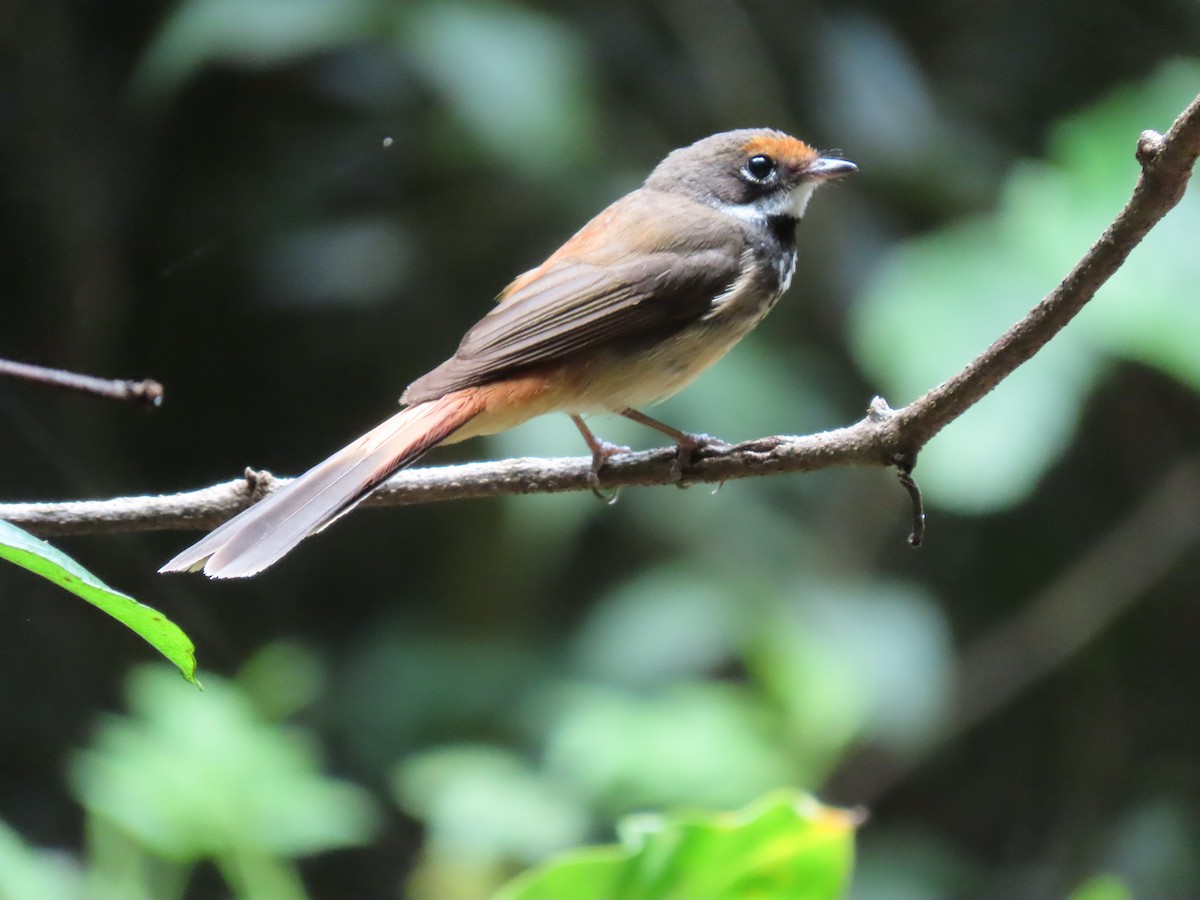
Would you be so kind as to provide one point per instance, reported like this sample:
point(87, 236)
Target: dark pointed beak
point(827, 168)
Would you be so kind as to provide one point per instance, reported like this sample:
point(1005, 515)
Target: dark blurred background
point(286, 210)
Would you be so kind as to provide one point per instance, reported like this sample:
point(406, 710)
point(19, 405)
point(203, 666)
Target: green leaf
point(161, 633)
point(784, 845)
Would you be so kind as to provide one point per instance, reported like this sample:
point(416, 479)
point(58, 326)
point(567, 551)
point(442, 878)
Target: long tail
point(262, 534)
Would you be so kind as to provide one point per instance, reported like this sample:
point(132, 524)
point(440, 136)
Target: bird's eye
point(760, 167)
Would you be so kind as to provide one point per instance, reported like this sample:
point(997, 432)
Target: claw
point(688, 444)
point(602, 452)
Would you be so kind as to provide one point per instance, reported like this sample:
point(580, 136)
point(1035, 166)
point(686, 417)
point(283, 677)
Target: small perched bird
point(641, 300)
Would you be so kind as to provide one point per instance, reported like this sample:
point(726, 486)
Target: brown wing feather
point(594, 292)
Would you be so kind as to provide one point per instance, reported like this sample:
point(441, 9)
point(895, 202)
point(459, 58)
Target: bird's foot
point(687, 445)
point(602, 452)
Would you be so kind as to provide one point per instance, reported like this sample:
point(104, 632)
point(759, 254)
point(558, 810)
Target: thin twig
point(146, 391)
point(916, 537)
point(884, 437)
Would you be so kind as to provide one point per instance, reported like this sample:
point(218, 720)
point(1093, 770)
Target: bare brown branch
point(146, 391)
point(1167, 163)
point(884, 437)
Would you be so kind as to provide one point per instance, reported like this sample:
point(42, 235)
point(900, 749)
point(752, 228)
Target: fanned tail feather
point(262, 534)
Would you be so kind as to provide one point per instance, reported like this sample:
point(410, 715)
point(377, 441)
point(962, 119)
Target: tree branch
point(147, 391)
point(884, 437)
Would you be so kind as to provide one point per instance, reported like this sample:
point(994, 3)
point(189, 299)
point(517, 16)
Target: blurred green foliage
point(940, 297)
point(1103, 887)
point(27, 873)
point(187, 778)
point(193, 777)
point(285, 211)
point(535, 94)
point(262, 34)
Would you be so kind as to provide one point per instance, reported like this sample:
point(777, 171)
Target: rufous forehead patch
point(781, 147)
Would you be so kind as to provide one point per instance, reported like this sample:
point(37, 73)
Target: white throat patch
point(792, 203)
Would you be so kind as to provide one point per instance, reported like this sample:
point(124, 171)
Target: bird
point(634, 306)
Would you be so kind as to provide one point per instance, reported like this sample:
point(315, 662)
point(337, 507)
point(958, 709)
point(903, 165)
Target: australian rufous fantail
point(648, 294)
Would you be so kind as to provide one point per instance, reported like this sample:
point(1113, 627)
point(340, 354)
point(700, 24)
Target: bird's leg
point(602, 451)
point(687, 442)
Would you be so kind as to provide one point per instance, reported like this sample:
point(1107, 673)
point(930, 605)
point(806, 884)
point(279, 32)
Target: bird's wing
point(660, 264)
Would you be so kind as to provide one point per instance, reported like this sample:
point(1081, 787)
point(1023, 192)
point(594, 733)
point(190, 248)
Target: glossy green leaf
point(41, 558)
point(786, 845)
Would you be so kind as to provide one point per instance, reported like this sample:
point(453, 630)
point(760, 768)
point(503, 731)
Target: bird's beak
point(827, 168)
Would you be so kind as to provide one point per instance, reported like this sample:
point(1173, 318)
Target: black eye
point(760, 167)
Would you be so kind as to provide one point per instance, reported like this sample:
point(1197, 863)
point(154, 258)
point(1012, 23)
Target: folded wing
point(655, 273)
